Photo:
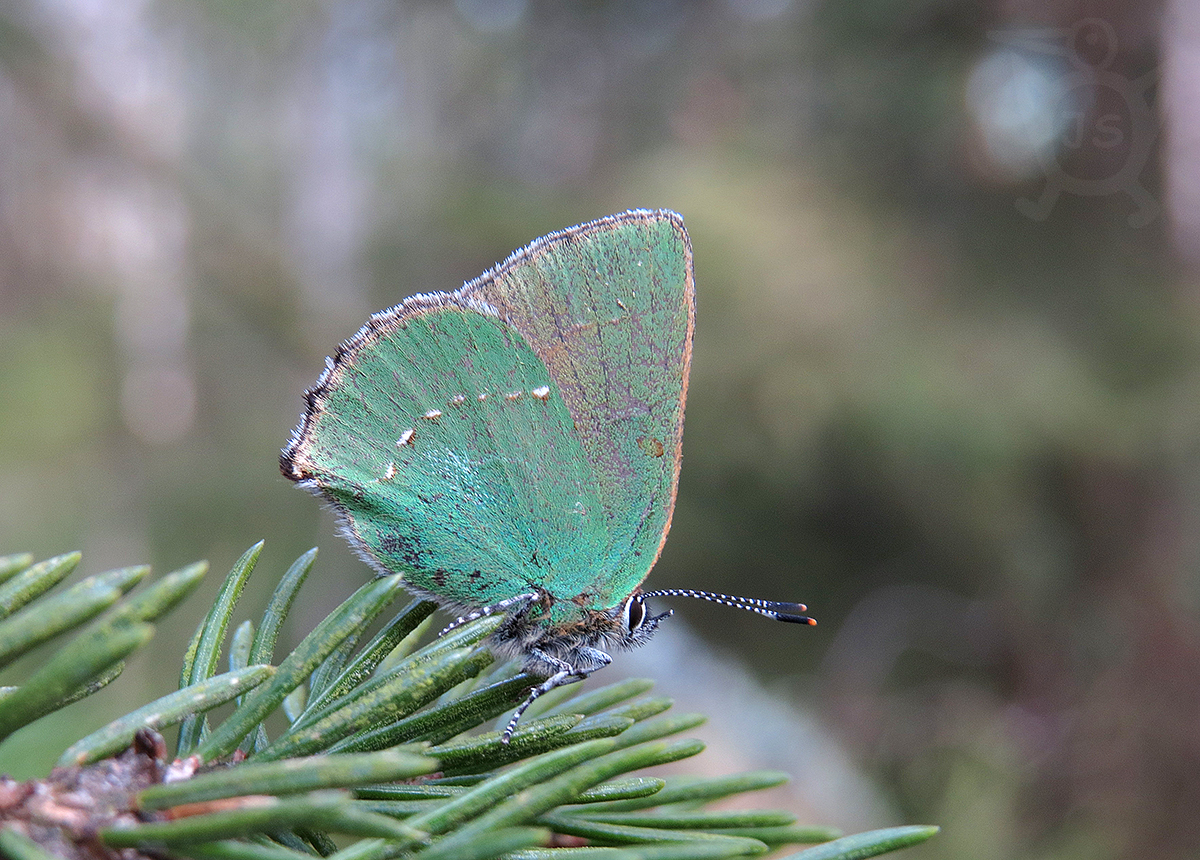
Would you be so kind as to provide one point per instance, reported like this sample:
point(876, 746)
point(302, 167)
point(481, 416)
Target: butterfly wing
point(609, 307)
point(433, 434)
point(522, 432)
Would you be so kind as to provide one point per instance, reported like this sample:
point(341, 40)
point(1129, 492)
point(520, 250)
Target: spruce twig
point(392, 747)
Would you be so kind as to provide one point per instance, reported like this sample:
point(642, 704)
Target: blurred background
point(946, 367)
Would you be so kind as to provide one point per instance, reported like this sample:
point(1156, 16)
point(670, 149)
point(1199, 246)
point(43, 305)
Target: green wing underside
point(484, 455)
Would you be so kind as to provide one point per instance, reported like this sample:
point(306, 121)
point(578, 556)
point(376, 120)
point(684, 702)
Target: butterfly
point(514, 446)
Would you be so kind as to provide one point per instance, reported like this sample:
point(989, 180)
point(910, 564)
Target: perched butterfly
point(514, 446)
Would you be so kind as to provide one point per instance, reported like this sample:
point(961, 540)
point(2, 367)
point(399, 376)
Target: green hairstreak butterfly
point(513, 447)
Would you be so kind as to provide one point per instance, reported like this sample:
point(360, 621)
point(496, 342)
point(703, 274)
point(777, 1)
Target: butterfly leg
point(481, 612)
point(565, 674)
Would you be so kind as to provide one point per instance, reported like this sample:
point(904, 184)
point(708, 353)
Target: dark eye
point(635, 614)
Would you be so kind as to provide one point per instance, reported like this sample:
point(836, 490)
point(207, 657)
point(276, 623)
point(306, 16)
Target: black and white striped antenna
point(779, 611)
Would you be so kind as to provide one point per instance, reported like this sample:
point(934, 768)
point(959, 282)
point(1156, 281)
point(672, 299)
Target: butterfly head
point(578, 645)
point(634, 622)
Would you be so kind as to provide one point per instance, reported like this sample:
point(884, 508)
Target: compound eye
point(635, 614)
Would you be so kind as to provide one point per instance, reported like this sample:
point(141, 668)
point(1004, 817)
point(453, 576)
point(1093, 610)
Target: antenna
point(780, 611)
